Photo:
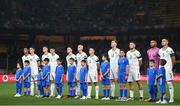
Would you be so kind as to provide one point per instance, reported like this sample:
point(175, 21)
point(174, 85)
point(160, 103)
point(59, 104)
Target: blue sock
point(125, 92)
point(60, 91)
point(28, 92)
point(74, 92)
point(85, 92)
point(48, 93)
point(161, 98)
point(121, 92)
point(71, 93)
point(155, 96)
point(108, 92)
point(151, 95)
point(17, 91)
point(104, 91)
point(57, 90)
point(20, 91)
point(25, 92)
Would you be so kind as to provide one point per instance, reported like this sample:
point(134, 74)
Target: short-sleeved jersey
point(39, 77)
point(83, 74)
point(70, 56)
point(153, 55)
point(71, 73)
point(48, 55)
point(34, 64)
point(151, 73)
point(59, 74)
point(46, 71)
point(167, 54)
point(26, 71)
point(24, 58)
point(19, 73)
point(80, 57)
point(92, 62)
point(162, 80)
point(53, 62)
point(122, 65)
point(104, 67)
point(113, 56)
point(133, 58)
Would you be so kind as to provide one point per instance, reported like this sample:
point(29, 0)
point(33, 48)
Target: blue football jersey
point(162, 80)
point(105, 66)
point(71, 73)
point(19, 73)
point(46, 71)
point(26, 71)
point(122, 65)
point(83, 74)
point(151, 72)
point(59, 73)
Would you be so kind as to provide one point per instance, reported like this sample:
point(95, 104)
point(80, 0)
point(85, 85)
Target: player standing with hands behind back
point(135, 61)
point(93, 64)
point(113, 54)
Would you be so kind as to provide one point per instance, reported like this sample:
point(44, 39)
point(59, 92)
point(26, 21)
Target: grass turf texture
point(7, 91)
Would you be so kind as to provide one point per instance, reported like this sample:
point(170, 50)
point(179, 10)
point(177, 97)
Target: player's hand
point(126, 77)
point(102, 77)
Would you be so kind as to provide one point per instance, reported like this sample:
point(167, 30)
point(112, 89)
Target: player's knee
point(170, 84)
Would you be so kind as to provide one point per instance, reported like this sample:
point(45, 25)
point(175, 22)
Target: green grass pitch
point(7, 90)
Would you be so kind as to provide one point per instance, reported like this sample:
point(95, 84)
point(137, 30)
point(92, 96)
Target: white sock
point(131, 93)
point(32, 88)
point(36, 90)
point(141, 93)
point(97, 91)
point(89, 91)
point(112, 89)
point(52, 88)
point(78, 89)
point(171, 90)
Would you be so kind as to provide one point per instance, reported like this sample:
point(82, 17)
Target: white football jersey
point(133, 58)
point(92, 62)
point(70, 56)
point(167, 54)
point(53, 62)
point(46, 56)
point(80, 57)
point(25, 58)
point(113, 56)
point(34, 64)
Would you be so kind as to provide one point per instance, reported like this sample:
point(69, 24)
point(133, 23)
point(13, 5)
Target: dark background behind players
point(93, 23)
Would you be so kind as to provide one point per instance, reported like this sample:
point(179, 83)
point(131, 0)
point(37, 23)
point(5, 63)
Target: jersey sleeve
point(147, 71)
point(29, 70)
point(75, 57)
point(138, 54)
point(37, 58)
point(62, 70)
point(97, 59)
point(127, 61)
point(85, 56)
point(74, 69)
point(108, 66)
point(171, 52)
point(109, 54)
